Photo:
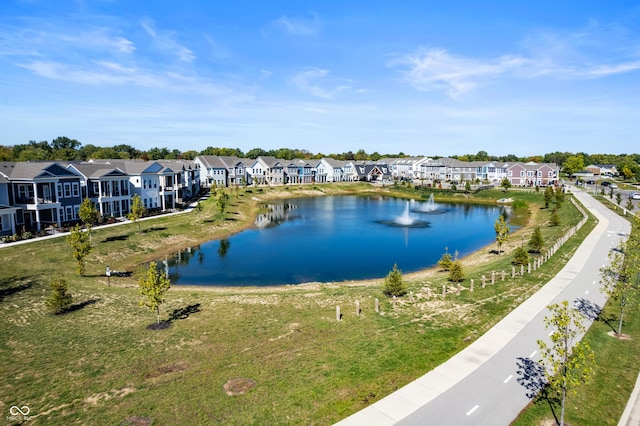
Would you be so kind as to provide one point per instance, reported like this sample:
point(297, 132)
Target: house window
point(67, 190)
point(69, 212)
point(62, 214)
point(529, 174)
point(1, 227)
point(59, 190)
point(96, 188)
point(522, 173)
point(539, 173)
point(76, 190)
point(510, 173)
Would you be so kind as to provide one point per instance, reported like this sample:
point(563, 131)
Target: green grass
point(99, 363)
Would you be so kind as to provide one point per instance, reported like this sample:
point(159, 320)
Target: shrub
point(456, 274)
point(393, 284)
point(520, 256)
point(446, 260)
point(60, 299)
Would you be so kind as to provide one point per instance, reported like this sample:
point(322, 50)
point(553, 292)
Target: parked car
point(605, 183)
point(591, 182)
point(613, 186)
point(635, 196)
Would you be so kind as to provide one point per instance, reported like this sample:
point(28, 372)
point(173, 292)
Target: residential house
point(106, 185)
point(187, 179)
point(8, 213)
point(330, 170)
point(213, 171)
point(46, 193)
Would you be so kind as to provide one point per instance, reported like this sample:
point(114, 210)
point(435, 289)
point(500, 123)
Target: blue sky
point(419, 77)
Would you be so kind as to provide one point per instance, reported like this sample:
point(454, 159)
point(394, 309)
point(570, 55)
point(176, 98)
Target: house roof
point(34, 170)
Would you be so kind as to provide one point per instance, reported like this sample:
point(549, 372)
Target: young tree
point(456, 274)
point(630, 206)
point(393, 284)
point(89, 215)
point(618, 198)
point(223, 203)
point(467, 186)
point(60, 299)
point(520, 256)
point(446, 260)
point(137, 210)
point(548, 196)
point(568, 362)
point(620, 279)
point(554, 220)
point(81, 245)
point(536, 242)
point(153, 287)
point(505, 184)
point(502, 232)
point(558, 197)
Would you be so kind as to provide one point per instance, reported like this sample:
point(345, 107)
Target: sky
point(418, 77)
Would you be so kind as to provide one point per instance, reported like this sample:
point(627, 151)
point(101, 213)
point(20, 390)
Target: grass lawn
point(282, 345)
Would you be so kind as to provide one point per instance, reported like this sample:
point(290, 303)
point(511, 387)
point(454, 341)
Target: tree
point(618, 198)
point(620, 279)
point(505, 184)
point(554, 220)
point(393, 284)
point(446, 260)
point(60, 299)
point(456, 274)
point(137, 210)
point(467, 187)
point(81, 245)
point(573, 164)
point(548, 196)
point(558, 197)
point(569, 362)
point(153, 287)
point(89, 215)
point(520, 256)
point(223, 203)
point(502, 231)
point(536, 242)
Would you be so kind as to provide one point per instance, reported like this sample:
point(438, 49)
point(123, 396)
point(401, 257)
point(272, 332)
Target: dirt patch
point(136, 421)
point(238, 386)
point(105, 396)
point(619, 336)
point(168, 369)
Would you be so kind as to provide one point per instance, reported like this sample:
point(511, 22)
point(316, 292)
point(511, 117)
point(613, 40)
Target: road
point(479, 385)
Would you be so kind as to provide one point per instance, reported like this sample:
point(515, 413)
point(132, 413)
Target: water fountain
point(430, 207)
point(405, 220)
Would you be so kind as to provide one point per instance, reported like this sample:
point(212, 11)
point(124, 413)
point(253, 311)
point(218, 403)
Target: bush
point(520, 256)
point(60, 299)
point(456, 274)
point(393, 284)
point(446, 260)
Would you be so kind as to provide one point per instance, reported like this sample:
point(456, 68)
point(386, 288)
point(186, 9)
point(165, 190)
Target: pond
point(336, 238)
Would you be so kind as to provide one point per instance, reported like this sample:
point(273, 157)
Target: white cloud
point(307, 81)
point(298, 26)
point(166, 41)
point(435, 69)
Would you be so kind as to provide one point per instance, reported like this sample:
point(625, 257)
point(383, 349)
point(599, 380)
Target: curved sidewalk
point(411, 398)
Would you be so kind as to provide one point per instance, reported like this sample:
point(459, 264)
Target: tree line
point(66, 149)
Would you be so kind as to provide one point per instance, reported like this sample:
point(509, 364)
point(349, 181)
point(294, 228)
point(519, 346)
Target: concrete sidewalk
point(631, 414)
point(407, 400)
